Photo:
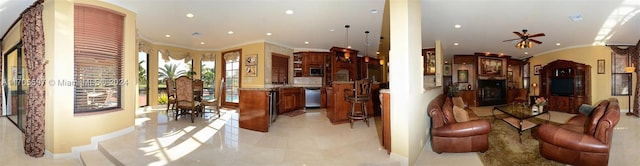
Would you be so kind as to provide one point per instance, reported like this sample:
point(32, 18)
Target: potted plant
point(453, 90)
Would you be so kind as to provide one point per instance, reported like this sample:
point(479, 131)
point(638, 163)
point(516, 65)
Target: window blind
point(98, 47)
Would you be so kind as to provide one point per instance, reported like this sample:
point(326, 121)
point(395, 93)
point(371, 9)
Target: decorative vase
point(534, 110)
point(540, 109)
point(469, 87)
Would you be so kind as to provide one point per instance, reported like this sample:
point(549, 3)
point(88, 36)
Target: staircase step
point(95, 157)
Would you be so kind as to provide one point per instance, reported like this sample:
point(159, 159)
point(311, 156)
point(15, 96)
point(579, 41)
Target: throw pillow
point(457, 101)
point(586, 109)
point(460, 114)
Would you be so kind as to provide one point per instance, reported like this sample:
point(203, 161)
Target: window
point(169, 68)
point(208, 76)
point(143, 77)
point(620, 79)
point(98, 47)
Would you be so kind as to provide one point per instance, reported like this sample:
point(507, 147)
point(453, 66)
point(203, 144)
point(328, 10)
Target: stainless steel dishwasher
point(312, 97)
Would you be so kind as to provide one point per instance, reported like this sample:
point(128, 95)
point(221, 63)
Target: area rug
point(294, 113)
point(505, 148)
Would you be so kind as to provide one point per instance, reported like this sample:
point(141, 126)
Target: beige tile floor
point(308, 139)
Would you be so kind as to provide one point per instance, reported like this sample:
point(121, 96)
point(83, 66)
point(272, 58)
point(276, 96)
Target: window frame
point(98, 59)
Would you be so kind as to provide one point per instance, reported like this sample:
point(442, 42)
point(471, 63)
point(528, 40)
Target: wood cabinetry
point(566, 84)
point(343, 68)
point(337, 107)
point(463, 59)
point(291, 99)
point(279, 69)
point(385, 99)
point(304, 61)
point(469, 97)
point(254, 110)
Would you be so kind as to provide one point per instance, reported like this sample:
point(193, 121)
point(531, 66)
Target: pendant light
point(366, 46)
point(346, 52)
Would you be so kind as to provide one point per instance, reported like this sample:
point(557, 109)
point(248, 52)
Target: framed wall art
point(251, 71)
point(251, 60)
point(536, 69)
point(491, 67)
point(600, 66)
point(463, 76)
point(446, 70)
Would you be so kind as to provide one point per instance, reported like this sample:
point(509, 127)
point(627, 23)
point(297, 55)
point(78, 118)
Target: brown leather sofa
point(584, 140)
point(449, 136)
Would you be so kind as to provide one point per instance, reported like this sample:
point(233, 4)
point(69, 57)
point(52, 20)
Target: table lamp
point(535, 86)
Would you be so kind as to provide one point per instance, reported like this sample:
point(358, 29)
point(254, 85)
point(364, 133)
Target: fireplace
point(492, 92)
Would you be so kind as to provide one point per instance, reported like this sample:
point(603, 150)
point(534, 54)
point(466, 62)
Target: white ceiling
point(485, 23)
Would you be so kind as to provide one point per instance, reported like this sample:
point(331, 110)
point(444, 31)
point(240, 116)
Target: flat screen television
point(561, 87)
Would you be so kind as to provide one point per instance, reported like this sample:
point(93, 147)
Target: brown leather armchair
point(586, 143)
point(449, 136)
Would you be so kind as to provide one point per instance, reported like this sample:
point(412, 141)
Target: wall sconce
point(381, 62)
point(366, 59)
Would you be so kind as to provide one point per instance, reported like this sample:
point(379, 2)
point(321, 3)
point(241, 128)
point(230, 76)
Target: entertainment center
point(566, 84)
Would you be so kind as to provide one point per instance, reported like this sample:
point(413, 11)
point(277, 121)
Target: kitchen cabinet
point(254, 109)
point(304, 61)
point(291, 98)
point(279, 69)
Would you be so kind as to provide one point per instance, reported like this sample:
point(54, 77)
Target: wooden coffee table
point(518, 116)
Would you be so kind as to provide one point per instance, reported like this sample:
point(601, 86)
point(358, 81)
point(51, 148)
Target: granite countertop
point(385, 91)
point(258, 89)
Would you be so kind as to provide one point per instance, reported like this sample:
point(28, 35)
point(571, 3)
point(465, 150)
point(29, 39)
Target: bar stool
point(360, 94)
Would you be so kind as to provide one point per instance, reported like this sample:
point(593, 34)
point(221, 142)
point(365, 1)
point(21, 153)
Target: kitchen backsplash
point(307, 81)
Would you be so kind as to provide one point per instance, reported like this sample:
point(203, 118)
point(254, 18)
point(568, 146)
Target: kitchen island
point(338, 107)
point(259, 107)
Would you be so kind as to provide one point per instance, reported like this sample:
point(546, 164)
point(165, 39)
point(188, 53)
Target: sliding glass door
point(14, 87)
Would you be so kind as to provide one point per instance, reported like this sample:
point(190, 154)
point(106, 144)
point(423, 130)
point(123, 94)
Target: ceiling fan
point(526, 40)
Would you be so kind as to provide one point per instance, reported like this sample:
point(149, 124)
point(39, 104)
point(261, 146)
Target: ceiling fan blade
point(518, 33)
point(537, 35)
point(535, 41)
point(511, 40)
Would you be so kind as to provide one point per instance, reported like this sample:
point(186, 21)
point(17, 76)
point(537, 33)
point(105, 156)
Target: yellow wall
point(63, 128)
point(589, 55)
point(250, 49)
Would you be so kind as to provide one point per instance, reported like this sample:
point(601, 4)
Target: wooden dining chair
point(185, 101)
point(171, 96)
point(198, 87)
point(215, 103)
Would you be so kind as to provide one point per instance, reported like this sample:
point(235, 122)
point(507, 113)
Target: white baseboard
point(75, 151)
point(404, 161)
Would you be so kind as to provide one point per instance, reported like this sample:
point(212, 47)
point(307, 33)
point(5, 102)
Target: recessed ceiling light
point(378, 52)
point(526, 53)
point(457, 26)
point(190, 15)
point(348, 46)
point(557, 44)
point(268, 34)
point(230, 32)
point(201, 42)
point(167, 35)
point(306, 42)
point(374, 11)
point(455, 44)
point(331, 30)
point(289, 11)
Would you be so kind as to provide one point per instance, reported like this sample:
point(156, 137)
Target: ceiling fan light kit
point(525, 38)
